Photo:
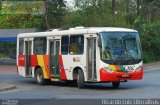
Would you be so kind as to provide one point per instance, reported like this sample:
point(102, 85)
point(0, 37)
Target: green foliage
point(22, 7)
point(55, 13)
point(150, 38)
point(8, 49)
point(20, 21)
point(2, 55)
point(21, 14)
point(95, 13)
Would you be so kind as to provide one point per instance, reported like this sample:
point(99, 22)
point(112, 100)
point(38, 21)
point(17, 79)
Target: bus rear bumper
point(120, 76)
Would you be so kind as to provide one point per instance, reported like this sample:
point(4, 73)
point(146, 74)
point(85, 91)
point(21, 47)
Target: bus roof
point(75, 31)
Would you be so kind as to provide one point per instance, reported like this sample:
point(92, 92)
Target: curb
point(151, 66)
point(6, 86)
point(147, 70)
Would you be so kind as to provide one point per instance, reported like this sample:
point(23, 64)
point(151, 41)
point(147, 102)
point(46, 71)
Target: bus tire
point(115, 84)
point(39, 77)
point(80, 79)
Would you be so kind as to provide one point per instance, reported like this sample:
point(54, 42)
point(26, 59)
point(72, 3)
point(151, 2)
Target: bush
point(150, 39)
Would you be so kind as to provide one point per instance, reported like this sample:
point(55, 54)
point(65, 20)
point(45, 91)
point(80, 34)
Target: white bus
point(85, 55)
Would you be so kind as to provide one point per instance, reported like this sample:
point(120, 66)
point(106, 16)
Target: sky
point(70, 3)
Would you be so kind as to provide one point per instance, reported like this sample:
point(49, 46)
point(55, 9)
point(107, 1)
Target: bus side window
point(64, 44)
point(21, 46)
point(40, 45)
point(76, 44)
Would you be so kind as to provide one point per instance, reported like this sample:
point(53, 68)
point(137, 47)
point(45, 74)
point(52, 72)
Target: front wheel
point(115, 84)
point(80, 79)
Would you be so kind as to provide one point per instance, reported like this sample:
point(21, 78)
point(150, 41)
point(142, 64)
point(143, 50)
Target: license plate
point(125, 75)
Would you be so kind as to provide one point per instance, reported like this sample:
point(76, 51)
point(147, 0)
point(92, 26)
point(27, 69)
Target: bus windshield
point(120, 47)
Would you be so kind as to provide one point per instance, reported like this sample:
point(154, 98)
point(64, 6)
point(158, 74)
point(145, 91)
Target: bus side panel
point(42, 61)
point(68, 63)
point(21, 60)
point(62, 70)
point(34, 61)
point(46, 65)
point(21, 65)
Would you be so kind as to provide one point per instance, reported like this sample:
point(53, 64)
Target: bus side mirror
point(99, 43)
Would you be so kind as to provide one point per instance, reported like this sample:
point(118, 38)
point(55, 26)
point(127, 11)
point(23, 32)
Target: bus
point(81, 54)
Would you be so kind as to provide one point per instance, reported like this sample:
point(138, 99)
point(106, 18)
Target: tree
point(138, 6)
point(113, 7)
point(47, 26)
point(127, 6)
point(55, 10)
point(151, 9)
point(21, 14)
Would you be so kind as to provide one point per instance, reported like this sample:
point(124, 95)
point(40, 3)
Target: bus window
point(76, 44)
point(21, 46)
point(40, 45)
point(64, 44)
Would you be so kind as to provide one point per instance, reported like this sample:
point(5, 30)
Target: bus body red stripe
point(21, 60)
point(34, 61)
point(62, 71)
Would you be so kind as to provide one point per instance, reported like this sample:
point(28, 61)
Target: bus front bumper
point(120, 76)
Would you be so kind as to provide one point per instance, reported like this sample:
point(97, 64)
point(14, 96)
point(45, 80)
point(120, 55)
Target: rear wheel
point(40, 77)
point(80, 79)
point(115, 84)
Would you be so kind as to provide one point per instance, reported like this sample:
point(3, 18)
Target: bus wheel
point(115, 84)
point(80, 79)
point(39, 77)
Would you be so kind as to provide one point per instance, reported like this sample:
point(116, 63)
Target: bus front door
point(28, 71)
point(54, 58)
point(91, 58)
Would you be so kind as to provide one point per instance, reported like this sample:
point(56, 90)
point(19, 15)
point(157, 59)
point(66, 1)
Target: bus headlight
point(138, 69)
point(108, 70)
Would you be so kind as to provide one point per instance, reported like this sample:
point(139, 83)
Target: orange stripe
point(45, 57)
point(117, 67)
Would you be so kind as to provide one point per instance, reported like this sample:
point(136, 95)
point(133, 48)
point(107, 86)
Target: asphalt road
point(147, 88)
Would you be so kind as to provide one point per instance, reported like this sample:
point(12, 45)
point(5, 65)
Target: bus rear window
point(21, 46)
